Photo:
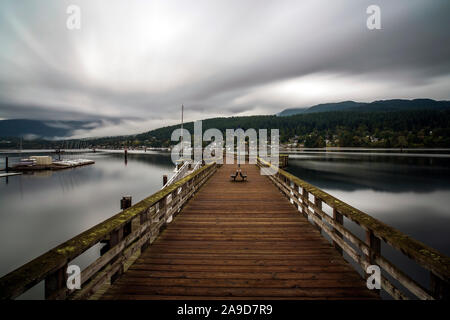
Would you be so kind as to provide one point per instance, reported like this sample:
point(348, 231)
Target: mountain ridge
point(41, 129)
point(377, 105)
point(55, 129)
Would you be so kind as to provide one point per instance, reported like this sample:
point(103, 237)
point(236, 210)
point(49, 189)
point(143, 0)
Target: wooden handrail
point(431, 259)
point(125, 233)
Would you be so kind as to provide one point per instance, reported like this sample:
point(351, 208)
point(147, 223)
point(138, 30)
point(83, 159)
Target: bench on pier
point(237, 174)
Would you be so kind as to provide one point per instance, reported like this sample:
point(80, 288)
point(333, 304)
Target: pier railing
point(125, 235)
point(311, 201)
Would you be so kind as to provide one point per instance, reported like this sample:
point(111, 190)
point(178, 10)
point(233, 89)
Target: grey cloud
point(141, 60)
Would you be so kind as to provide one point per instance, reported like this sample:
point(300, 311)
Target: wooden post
point(304, 202)
point(318, 204)
point(439, 288)
point(125, 202)
point(164, 180)
point(115, 238)
point(55, 282)
point(338, 218)
point(163, 209)
point(374, 244)
point(6, 164)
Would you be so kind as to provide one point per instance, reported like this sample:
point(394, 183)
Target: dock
point(240, 240)
point(9, 174)
point(208, 237)
point(56, 165)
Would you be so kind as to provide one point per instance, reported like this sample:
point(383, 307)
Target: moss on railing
point(426, 256)
point(28, 275)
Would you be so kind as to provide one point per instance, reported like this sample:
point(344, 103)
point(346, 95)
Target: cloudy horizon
point(133, 63)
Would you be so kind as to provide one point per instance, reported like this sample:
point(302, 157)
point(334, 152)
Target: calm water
point(40, 211)
point(410, 192)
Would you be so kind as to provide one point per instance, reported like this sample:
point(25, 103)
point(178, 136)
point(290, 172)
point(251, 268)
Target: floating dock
point(9, 174)
point(56, 165)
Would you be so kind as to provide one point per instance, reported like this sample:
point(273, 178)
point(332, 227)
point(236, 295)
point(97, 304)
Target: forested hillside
point(412, 128)
point(382, 126)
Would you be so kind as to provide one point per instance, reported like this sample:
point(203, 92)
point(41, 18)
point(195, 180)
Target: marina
point(40, 163)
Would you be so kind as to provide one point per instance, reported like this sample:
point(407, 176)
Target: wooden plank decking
point(241, 241)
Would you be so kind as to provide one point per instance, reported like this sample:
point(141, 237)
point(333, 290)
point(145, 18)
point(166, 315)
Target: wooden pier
point(240, 240)
point(206, 237)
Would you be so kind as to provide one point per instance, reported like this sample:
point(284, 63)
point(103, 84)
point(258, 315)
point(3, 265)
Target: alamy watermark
point(374, 280)
point(73, 21)
point(373, 21)
point(258, 146)
point(74, 277)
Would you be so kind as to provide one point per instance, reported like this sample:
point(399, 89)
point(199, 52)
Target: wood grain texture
point(240, 240)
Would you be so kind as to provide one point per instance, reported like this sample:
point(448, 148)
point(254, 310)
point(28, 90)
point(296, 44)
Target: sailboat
point(25, 161)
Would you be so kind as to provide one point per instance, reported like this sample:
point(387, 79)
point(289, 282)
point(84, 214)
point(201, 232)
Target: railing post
point(318, 204)
point(304, 202)
point(163, 207)
point(339, 219)
point(439, 288)
point(55, 282)
point(144, 217)
point(295, 195)
point(115, 238)
point(374, 244)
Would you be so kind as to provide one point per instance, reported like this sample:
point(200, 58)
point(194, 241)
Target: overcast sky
point(138, 61)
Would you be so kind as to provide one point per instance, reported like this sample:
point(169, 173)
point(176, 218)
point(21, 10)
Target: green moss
point(428, 257)
point(23, 278)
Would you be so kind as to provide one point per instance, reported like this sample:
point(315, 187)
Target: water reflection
point(411, 194)
point(41, 210)
point(383, 173)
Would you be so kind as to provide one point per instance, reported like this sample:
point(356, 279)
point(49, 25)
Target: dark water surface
point(42, 210)
point(410, 192)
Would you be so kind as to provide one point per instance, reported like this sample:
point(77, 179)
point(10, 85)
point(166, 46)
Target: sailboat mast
point(182, 111)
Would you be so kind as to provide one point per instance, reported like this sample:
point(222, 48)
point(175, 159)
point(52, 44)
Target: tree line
point(403, 129)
